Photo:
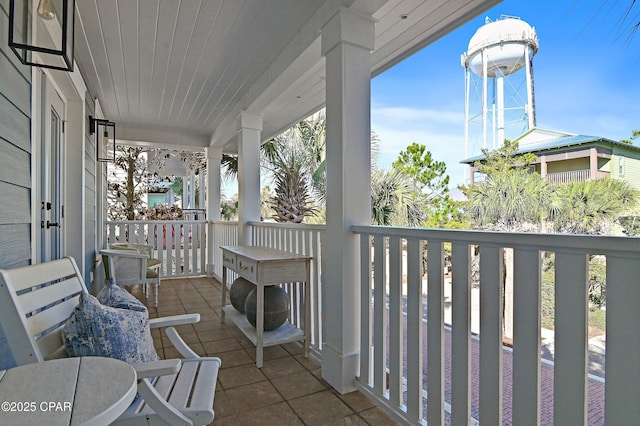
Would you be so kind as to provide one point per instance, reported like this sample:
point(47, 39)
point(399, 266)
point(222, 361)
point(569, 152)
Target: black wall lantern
point(47, 31)
point(105, 132)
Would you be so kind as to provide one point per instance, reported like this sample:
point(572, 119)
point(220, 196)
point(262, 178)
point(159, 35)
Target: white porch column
point(347, 40)
point(214, 161)
point(249, 128)
point(201, 190)
point(185, 192)
point(593, 163)
point(192, 189)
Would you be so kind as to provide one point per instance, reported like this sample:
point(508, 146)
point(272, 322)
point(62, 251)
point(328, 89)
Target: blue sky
point(586, 73)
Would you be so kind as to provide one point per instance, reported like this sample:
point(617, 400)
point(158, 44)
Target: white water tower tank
point(505, 43)
point(498, 97)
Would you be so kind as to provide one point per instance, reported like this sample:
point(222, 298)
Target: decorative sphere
point(238, 293)
point(276, 307)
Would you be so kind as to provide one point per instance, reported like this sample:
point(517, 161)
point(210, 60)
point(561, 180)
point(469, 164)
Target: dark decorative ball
point(276, 307)
point(238, 293)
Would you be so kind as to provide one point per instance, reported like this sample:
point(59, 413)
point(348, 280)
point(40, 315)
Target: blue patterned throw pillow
point(117, 297)
point(94, 329)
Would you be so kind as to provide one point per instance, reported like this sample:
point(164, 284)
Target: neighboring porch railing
point(575, 176)
point(180, 245)
point(299, 239)
point(408, 354)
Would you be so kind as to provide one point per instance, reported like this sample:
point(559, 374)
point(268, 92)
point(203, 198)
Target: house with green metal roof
point(565, 157)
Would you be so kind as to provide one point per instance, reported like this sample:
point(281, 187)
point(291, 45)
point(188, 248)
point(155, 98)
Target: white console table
point(266, 266)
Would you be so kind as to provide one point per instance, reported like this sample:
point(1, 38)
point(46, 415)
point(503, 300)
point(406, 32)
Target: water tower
point(499, 100)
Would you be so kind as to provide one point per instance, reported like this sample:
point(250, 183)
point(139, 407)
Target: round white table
point(70, 391)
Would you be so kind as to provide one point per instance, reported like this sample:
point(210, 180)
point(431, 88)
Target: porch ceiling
point(179, 72)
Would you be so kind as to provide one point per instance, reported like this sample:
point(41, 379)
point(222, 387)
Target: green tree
point(590, 207)
point(512, 202)
point(295, 160)
point(450, 214)
point(512, 198)
point(394, 201)
point(229, 208)
point(635, 134)
point(630, 225)
point(292, 200)
point(429, 175)
point(177, 186)
point(431, 191)
point(504, 159)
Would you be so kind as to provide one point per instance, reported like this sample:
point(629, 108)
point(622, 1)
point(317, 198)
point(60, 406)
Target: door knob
point(52, 224)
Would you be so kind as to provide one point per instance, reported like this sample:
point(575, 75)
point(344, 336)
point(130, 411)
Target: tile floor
point(288, 390)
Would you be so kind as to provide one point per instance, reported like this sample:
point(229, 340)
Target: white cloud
point(415, 116)
point(442, 132)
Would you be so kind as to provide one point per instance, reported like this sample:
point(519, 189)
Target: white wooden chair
point(35, 302)
point(152, 263)
point(128, 267)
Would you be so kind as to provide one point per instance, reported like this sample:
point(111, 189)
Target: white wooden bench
point(35, 302)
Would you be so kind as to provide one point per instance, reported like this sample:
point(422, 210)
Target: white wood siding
point(15, 163)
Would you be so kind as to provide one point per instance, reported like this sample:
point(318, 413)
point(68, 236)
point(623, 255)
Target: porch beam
point(249, 131)
point(347, 40)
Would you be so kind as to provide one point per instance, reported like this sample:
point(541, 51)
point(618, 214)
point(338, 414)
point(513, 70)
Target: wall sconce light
point(52, 37)
point(105, 132)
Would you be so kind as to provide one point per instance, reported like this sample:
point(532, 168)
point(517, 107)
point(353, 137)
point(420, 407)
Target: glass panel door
point(51, 175)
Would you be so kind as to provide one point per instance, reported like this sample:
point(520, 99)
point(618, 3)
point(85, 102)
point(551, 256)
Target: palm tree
point(515, 200)
point(512, 201)
point(590, 207)
point(296, 161)
point(292, 200)
point(394, 201)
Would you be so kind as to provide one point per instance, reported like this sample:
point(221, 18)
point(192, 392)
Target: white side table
point(70, 391)
point(265, 266)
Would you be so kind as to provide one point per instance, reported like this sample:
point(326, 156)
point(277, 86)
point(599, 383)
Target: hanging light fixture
point(105, 132)
point(47, 42)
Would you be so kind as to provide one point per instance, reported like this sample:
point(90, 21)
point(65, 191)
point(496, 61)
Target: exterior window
point(621, 166)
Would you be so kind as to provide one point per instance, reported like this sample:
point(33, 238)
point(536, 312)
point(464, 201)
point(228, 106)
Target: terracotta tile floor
point(288, 390)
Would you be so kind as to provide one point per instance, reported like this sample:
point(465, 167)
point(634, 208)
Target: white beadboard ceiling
point(179, 71)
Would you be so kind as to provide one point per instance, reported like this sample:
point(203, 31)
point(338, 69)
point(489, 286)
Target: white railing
point(399, 368)
point(299, 239)
point(180, 245)
point(575, 176)
point(221, 233)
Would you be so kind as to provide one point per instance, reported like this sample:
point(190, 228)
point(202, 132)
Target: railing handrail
point(575, 175)
point(153, 222)
point(549, 242)
point(288, 225)
point(394, 284)
point(180, 245)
